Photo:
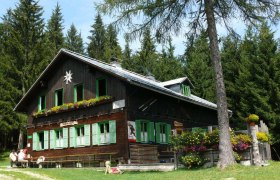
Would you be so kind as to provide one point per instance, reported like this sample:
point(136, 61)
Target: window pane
point(41, 140)
point(43, 102)
point(101, 128)
point(107, 127)
point(82, 131)
point(78, 132)
point(102, 87)
point(79, 92)
point(59, 97)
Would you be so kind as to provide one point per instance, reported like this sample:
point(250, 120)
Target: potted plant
point(252, 119)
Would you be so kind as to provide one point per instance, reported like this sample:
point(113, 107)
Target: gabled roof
point(130, 77)
point(176, 81)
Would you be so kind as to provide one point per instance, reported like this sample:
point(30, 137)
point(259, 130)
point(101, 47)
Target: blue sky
point(82, 14)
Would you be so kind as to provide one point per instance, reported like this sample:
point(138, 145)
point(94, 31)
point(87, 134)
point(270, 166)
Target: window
point(58, 97)
point(59, 138)
point(80, 135)
point(163, 131)
point(42, 103)
point(101, 87)
point(185, 90)
point(78, 92)
point(40, 140)
point(145, 131)
point(104, 133)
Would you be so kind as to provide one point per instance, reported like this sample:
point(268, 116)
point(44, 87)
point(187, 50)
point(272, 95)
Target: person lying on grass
point(111, 170)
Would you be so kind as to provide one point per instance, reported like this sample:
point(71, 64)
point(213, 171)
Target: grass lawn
point(235, 172)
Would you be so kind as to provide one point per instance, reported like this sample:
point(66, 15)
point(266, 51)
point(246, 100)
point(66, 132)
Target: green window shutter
point(112, 129)
point(158, 132)
point(151, 131)
point(35, 141)
point(65, 137)
point(75, 93)
point(95, 134)
point(73, 137)
point(46, 139)
point(52, 139)
point(168, 132)
point(138, 130)
point(87, 135)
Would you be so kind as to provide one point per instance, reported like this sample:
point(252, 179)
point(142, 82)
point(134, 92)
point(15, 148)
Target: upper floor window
point(58, 96)
point(185, 90)
point(101, 87)
point(78, 92)
point(42, 103)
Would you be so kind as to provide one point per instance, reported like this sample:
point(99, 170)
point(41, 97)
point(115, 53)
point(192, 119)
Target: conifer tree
point(74, 41)
point(127, 62)
point(26, 45)
point(97, 45)
point(113, 49)
point(198, 68)
point(55, 28)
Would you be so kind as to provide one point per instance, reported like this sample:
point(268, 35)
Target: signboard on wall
point(119, 104)
point(69, 123)
point(131, 131)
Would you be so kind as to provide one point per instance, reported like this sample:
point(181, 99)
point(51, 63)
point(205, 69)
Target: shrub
point(262, 136)
point(211, 139)
point(192, 160)
point(237, 157)
point(241, 142)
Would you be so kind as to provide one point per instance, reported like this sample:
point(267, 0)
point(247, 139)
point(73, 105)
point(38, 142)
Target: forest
point(251, 64)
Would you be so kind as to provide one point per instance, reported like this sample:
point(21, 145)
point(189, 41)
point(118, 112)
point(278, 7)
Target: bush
point(211, 139)
point(192, 160)
point(262, 136)
point(241, 142)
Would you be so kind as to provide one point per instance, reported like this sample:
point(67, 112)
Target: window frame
point(75, 92)
point(105, 133)
point(97, 86)
point(56, 98)
point(150, 131)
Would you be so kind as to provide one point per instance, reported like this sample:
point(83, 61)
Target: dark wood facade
point(140, 103)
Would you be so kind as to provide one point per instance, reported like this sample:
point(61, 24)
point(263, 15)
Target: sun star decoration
point(68, 77)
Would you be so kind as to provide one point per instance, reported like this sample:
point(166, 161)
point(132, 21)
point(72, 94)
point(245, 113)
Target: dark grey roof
point(131, 77)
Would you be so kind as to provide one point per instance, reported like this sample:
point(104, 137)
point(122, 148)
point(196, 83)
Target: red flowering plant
point(241, 142)
point(194, 141)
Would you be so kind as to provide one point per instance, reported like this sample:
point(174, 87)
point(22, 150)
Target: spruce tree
point(55, 28)
point(26, 46)
point(97, 45)
point(198, 68)
point(127, 62)
point(113, 49)
point(74, 41)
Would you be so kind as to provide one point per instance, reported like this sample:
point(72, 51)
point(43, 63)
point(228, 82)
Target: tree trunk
point(20, 139)
point(226, 157)
point(256, 152)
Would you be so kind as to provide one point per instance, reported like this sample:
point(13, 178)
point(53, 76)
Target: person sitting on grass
point(111, 170)
point(13, 157)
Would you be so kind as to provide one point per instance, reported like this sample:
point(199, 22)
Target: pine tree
point(55, 28)
point(112, 45)
point(97, 45)
point(199, 68)
point(74, 41)
point(127, 62)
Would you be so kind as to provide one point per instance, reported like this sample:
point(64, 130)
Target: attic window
point(58, 97)
point(101, 87)
point(185, 90)
point(78, 92)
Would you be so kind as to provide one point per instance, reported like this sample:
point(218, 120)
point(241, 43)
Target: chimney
point(115, 62)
